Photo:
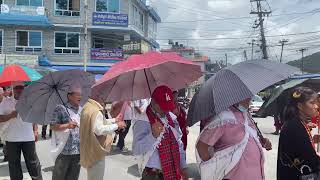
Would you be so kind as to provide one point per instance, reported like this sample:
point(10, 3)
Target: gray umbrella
point(234, 84)
point(38, 101)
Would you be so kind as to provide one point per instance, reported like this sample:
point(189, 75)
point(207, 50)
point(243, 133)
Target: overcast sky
point(288, 17)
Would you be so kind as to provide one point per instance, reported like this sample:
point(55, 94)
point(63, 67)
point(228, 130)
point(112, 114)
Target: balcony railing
point(26, 10)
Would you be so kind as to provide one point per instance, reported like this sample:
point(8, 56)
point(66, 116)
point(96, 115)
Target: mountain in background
point(311, 63)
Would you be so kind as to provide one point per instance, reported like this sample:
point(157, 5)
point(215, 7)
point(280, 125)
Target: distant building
point(190, 54)
point(52, 32)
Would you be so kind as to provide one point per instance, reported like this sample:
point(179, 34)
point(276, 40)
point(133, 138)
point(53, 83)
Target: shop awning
point(99, 69)
point(22, 19)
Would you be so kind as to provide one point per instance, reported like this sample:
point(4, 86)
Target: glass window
point(67, 43)
point(61, 40)
point(29, 2)
point(22, 38)
point(62, 4)
point(74, 5)
point(28, 41)
point(23, 2)
point(102, 5)
point(107, 6)
point(113, 6)
point(36, 3)
point(34, 38)
point(67, 8)
point(73, 40)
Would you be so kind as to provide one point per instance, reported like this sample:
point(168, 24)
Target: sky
point(219, 27)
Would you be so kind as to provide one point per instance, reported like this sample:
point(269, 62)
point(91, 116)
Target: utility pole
point(226, 59)
point(85, 26)
point(282, 42)
point(252, 43)
point(259, 23)
point(245, 55)
point(302, 50)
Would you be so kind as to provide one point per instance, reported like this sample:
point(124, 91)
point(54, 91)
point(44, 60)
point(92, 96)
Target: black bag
point(310, 176)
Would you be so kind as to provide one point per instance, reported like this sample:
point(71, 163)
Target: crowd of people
point(230, 145)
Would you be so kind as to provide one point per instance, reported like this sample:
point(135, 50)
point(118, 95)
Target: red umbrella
point(138, 76)
point(13, 73)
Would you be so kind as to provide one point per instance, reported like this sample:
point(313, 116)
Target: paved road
point(121, 166)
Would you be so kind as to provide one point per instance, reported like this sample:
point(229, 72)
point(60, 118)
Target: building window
point(138, 18)
point(29, 3)
point(28, 41)
point(108, 6)
point(67, 43)
point(67, 7)
point(98, 43)
point(1, 40)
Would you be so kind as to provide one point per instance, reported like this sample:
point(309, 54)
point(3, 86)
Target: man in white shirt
point(20, 136)
point(96, 137)
point(2, 98)
point(128, 115)
point(139, 110)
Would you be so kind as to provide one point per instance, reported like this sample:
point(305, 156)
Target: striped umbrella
point(233, 84)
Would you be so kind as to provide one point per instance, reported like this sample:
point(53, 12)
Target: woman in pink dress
point(229, 147)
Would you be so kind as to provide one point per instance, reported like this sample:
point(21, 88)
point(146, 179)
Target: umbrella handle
point(56, 88)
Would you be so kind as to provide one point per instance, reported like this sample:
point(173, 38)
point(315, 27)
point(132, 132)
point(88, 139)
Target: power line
point(261, 13)
point(244, 37)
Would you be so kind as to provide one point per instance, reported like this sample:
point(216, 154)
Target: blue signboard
point(109, 19)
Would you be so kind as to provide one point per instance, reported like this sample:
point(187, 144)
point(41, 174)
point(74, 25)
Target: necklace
point(308, 131)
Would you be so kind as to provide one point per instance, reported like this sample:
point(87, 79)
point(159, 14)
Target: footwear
point(124, 150)
point(44, 137)
point(276, 133)
point(5, 159)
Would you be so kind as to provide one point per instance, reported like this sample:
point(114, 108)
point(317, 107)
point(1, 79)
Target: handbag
point(305, 175)
point(310, 176)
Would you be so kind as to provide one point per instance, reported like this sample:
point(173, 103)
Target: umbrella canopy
point(38, 101)
point(233, 84)
point(277, 100)
point(43, 70)
point(17, 73)
point(138, 76)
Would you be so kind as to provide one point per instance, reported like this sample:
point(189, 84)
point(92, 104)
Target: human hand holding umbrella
point(52, 90)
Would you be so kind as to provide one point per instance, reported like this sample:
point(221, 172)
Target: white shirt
point(18, 130)
point(142, 105)
point(102, 129)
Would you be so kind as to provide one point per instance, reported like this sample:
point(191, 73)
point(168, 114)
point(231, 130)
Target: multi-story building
point(61, 33)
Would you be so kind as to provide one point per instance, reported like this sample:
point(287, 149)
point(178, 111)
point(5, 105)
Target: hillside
point(311, 63)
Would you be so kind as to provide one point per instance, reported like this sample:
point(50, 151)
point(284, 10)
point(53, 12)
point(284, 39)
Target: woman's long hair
point(296, 96)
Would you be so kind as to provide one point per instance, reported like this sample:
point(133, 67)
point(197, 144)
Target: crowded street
point(123, 165)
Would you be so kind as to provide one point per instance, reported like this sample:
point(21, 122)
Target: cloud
point(191, 10)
